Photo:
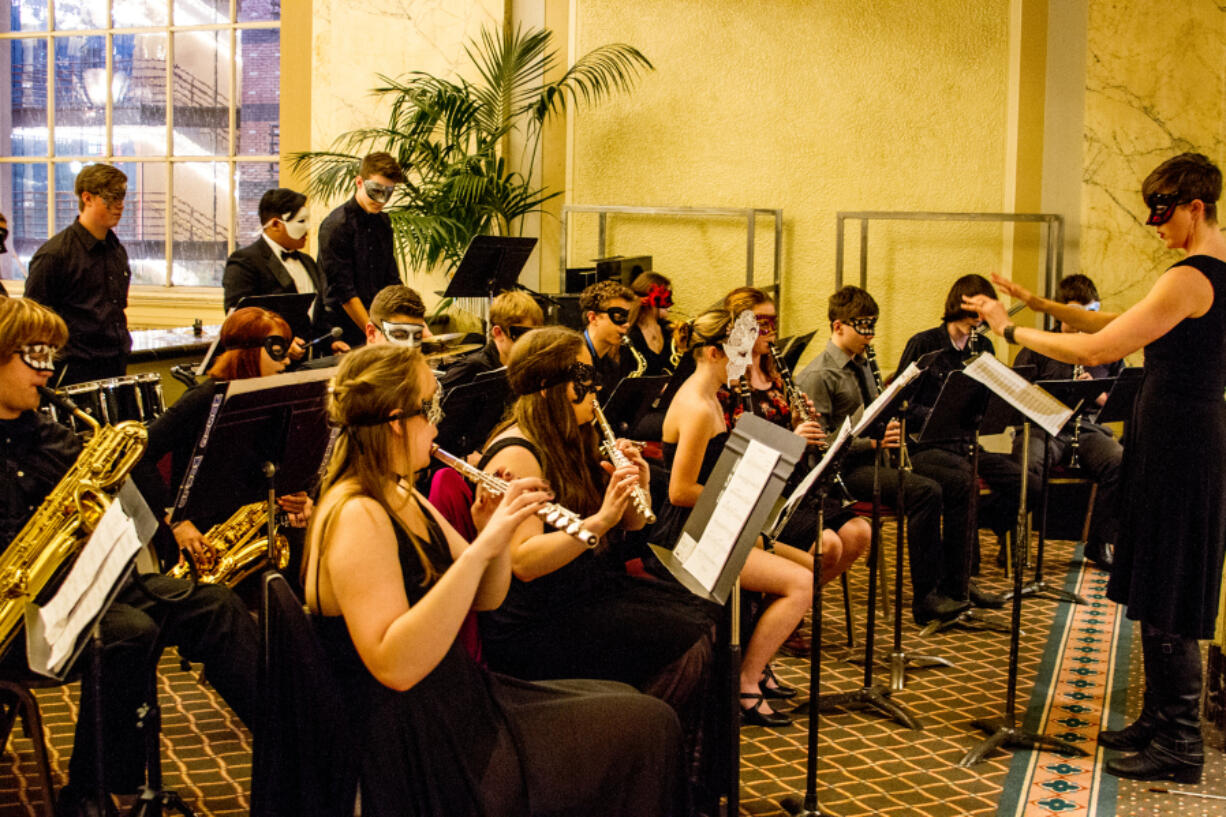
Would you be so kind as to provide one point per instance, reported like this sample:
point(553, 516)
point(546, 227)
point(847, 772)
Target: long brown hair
point(742, 298)
point(568, 452)
point(372, 384)
point(242, 337)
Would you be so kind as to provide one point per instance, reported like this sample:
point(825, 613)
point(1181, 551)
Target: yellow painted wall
point(813, 107)
point(1154, 88)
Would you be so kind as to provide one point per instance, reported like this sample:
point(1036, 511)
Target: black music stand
point(263, 436)
point(632, 398)
point(1123, 394)
point(872, 695)
point(1082, 394)
point(956, 416)
point(1005, 731)
point(491, 264)
point(471, 410)
point(719, 580)
point(791, 348)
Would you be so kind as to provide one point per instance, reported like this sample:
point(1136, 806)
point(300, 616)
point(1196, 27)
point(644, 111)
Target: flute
point(554, 515)
point(642, 501)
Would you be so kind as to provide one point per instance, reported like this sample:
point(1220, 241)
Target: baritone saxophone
point(61, 525)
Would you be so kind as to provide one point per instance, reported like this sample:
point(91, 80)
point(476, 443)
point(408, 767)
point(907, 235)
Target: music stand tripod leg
point(808, 806)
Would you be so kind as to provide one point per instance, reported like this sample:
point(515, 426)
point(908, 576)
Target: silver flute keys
point(554, 515)
point(640, 497)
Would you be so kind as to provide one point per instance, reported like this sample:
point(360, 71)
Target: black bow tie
point(297, 256)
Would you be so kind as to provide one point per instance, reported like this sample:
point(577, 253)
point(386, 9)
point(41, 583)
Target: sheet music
point(237, 387)
point(832, 450)
point(52, 630)
point(704, 559)
point(1044, 410)
point(873, 409)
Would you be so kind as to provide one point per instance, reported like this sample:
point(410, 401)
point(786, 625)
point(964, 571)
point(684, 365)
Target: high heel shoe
point(779, 690)
point(753, 715)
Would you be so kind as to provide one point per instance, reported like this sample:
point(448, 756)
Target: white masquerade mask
point(297, 224)
point(739, 345)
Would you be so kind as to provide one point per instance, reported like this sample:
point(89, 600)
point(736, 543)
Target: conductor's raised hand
point(990, 309)
point(1016, 290)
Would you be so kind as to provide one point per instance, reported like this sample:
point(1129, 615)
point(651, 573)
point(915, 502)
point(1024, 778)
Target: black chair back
point(301, 765)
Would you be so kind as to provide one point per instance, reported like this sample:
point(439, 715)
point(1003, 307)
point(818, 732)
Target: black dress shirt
point(610, 370)
point(950, 359)
point(357, 256)
point(35, 453)
point(174, 433)
point(466, 369)
point(85, 281)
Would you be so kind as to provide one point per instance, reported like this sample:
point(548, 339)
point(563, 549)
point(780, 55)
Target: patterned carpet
point(868, 764)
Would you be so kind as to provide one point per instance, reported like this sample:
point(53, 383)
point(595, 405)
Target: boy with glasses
point(841, 382)
point(357, 252)
point(607, 307)
point(82, 274)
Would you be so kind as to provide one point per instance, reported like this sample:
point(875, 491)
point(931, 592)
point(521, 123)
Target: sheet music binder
point(749, 428)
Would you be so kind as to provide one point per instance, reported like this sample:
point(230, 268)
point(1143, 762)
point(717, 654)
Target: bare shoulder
point(517, 459)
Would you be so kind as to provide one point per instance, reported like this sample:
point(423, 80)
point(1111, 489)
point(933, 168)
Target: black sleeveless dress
point(1168, 562)
point(464, 741)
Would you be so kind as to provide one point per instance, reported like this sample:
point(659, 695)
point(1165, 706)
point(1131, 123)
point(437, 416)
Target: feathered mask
point(739, 345)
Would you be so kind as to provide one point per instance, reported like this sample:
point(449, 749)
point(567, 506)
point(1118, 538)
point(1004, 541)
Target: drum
point(121, 399)
point(152, 402)
point(88, 397)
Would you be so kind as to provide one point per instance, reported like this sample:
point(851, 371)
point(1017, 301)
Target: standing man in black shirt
point(209, 625)
point(357, 250)
point(957, 339)
point(82, 274)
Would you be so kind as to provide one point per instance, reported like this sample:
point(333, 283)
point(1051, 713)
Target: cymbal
point(451, 337)
point(453, 351)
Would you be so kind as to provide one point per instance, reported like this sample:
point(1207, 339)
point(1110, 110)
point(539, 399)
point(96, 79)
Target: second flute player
point(574, 612)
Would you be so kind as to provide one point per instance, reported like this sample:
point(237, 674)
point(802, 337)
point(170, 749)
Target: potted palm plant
point(453, 137)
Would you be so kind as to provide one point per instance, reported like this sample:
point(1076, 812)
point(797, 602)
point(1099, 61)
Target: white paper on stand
point(1034, 402)
point(873, 409)
point(704, 559)
point(53, 629)
point(832, 450)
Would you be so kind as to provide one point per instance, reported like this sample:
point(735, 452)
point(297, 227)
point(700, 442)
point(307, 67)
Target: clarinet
point(640, 497)
point(1075, 443)
point(870, 355)
point(554, 515)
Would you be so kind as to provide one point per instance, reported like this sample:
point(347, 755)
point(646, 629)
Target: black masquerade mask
point(1162, 207)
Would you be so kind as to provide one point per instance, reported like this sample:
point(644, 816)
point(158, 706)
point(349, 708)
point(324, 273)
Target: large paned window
point(182, 95)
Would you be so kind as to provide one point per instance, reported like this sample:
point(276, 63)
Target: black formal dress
point(463, 741)
point(257, 270)
point(657, 362)
point(1168, 563)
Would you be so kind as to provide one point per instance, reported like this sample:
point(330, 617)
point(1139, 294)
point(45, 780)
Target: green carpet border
point(1021, 769)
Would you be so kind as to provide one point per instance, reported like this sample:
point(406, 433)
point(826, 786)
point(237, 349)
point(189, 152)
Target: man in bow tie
point(275, 264)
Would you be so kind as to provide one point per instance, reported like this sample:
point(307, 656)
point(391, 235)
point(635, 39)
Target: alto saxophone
point(555, 515)
point(640, 497)
point(640, 362)
point(64, 521)
point(236, 548)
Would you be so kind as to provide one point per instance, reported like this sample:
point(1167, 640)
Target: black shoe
point(936, 607)
point(1101, 554)
point(779, 690)
point(71, 802)
point(982, 598)
point(1134, 737)
point(753, 715)
point(1156, 763)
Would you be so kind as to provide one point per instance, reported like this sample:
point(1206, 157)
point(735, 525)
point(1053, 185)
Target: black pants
point(79, 370)
point(933, 558)
point(1099, 455)
point(997, 511)
point(210, 626)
